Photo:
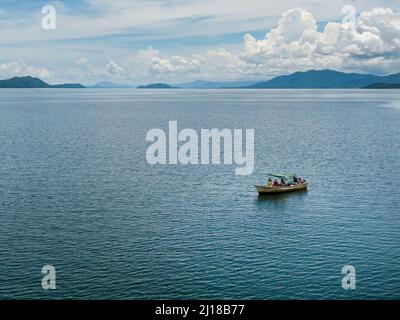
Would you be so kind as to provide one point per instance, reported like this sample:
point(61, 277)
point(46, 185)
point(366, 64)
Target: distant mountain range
point(313, 79)
point(156, 86)
point(31, 82)
point(110, 85)
point(325, 79)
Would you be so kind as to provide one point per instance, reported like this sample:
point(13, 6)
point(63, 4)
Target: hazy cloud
point(20, 68)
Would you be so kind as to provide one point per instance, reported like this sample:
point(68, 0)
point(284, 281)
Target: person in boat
point(295, 179)
point(269, 183)
point(283, 183)
point(276, 183)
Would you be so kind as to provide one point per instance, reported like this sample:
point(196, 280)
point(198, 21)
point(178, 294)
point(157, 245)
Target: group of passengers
point(283, 183)
point(297, 180)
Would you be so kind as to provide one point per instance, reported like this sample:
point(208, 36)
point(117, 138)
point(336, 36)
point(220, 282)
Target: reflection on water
point(287, 201)
point(278, 197)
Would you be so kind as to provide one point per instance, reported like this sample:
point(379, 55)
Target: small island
point(31, 82)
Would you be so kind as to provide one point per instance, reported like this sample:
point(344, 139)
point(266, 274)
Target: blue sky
point(140, 41)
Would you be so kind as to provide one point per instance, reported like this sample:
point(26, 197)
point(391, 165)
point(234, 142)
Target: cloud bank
point(369, 44)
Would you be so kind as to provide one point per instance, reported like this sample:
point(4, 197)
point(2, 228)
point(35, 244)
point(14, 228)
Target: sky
point(173, 41)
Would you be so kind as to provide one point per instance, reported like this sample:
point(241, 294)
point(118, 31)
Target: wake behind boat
point(288, 183)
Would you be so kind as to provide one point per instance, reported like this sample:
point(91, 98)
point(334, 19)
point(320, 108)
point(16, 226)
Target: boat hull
point(262, 190)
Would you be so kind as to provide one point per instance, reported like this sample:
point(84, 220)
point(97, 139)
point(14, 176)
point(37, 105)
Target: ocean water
point(77, 192)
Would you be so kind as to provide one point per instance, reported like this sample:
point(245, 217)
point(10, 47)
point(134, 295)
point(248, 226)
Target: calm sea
point(76, 192)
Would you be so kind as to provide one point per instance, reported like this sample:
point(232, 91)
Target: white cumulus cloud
point(372, 43)
point(114, 68)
